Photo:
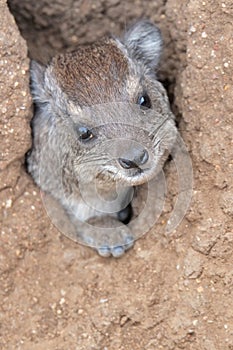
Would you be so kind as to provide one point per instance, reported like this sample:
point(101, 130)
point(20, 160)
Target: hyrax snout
point(102, 129)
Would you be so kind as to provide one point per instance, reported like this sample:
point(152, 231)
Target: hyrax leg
point(106, 234)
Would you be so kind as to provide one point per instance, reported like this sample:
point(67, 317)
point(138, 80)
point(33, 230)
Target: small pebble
point(192, 29)
point(62, 301)
point(103, 300)
point(8, 203)
point(195, 322)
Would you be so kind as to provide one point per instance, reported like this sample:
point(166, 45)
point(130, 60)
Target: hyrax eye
point(85, 134)
point(144, 101)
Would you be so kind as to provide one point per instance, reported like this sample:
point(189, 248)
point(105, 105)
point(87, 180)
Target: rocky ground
point(170, 291)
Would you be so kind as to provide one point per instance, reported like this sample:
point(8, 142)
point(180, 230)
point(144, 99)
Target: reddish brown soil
point(168, 292)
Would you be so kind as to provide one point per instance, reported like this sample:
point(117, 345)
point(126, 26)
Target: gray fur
point(77, 173)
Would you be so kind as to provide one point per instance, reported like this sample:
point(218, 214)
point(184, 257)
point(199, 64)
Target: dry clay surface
point(168, 292)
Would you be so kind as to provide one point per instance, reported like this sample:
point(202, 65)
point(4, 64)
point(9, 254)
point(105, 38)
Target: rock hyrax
point(102, 129)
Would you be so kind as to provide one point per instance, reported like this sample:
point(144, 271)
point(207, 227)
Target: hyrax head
point(101, 114)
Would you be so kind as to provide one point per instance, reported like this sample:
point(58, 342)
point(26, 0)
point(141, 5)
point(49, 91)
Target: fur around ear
point(37, 82)
point(144, 42)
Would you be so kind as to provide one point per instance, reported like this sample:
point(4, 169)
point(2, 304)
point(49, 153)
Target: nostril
point(143, 157)
point(137, 161)
point(126, 163)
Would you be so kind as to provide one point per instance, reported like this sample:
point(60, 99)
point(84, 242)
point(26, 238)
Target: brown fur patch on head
point(93, 74)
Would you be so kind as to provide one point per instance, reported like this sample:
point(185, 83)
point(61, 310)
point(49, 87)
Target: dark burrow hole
point(41, 46)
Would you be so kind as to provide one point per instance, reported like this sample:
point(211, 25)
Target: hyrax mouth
point(126, 177)
point(137, 176)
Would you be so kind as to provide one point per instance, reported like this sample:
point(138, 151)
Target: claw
point(118, 251)
point(104, 251)
point(129, 242)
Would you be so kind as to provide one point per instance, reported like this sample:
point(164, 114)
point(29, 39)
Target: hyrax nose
point(138, 159)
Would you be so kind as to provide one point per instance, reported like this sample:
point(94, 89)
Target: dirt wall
point(168, 292)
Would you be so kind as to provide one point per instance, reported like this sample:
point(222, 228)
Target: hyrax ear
point(144, 43)
point(38, 82)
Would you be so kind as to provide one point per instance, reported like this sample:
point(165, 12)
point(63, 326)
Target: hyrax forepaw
point(108, 236)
